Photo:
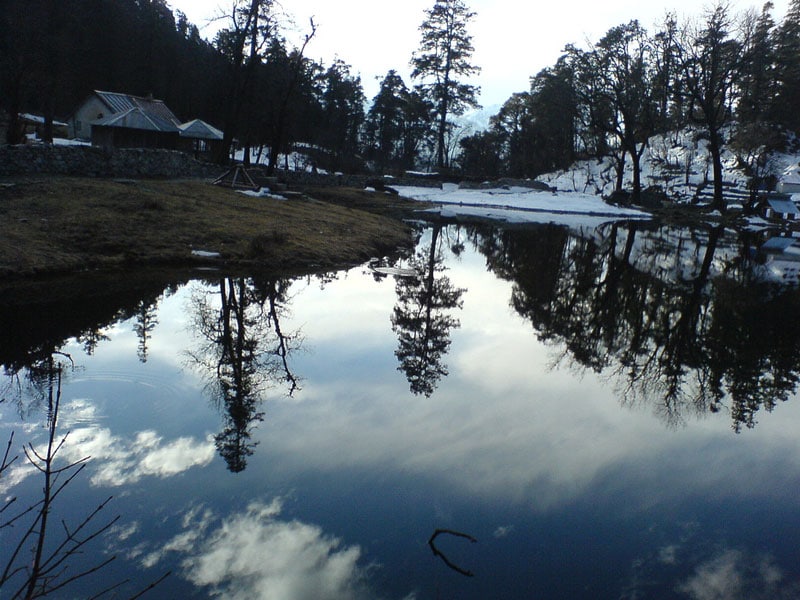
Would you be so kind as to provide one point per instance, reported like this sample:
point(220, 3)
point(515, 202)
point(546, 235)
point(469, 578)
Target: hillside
point(677, 163)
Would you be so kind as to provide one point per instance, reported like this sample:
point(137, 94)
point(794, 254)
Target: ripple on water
point(153, 391)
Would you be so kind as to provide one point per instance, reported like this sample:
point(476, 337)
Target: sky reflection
point(569, 491)
point(257, 555)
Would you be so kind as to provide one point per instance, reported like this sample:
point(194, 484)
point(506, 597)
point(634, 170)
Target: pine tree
point(385, 121)
point(756, 74)
point(343, 114)
point(787, 75)
point(443, 60)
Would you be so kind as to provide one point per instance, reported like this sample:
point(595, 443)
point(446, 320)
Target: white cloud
point(117, 461)
point(256, 556)
point(736, 575)
point(20, 470)
point(503, 531)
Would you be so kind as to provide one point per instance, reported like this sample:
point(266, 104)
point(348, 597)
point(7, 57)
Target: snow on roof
point(136, 118)
point(30, 118)
point(791, 174)
point(199, 130)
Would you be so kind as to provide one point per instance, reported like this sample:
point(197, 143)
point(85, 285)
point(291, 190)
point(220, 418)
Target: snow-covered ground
point(678, 163)
point(521, 205)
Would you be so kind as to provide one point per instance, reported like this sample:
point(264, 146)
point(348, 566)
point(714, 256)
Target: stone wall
point(89, 161)
point(92, 161)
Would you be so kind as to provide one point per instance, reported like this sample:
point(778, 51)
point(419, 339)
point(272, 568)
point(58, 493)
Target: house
point(135, 128)
point(101, 105)
point(200, 138)
point(114, 120)
point(34, 125)
point(785, 210)
point(780, 257)
point(789, 182)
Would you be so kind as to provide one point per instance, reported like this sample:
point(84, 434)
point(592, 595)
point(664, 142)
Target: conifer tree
point(443, 62)
point(386, 121)
point(787, 75)
point(756, 75)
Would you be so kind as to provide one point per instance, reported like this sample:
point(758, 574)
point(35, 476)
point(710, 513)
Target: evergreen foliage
point(734, 78)
point(442, 62)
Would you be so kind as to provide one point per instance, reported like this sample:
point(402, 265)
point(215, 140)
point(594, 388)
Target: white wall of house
point(80, 122)
point(789, 187)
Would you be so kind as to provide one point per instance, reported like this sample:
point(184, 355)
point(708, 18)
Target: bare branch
point(151, 586)
point(440, 554)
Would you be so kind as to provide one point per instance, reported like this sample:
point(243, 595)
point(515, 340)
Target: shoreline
point(53, 225)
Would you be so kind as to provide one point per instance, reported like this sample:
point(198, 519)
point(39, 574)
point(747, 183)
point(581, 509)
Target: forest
point(734, 78)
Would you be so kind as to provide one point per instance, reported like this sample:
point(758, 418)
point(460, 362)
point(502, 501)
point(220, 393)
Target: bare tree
point(49, 570)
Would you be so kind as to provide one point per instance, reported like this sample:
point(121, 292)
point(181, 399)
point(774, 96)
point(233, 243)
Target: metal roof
point(199, 130)
point(119, 103)
point(778, 244)
point(137, 118)
point(783, 206)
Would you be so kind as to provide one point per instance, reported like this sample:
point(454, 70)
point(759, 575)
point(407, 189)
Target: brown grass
point(57, 224)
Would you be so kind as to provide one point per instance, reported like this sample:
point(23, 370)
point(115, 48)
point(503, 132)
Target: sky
point(513, 40)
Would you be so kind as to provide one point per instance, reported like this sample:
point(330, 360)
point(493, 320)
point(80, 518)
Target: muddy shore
point(56, 225)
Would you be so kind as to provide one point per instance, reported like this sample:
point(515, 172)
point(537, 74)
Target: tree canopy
point(732, 77)
point(442, 63)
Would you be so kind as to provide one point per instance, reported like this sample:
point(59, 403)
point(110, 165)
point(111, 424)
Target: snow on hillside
point(679, 163)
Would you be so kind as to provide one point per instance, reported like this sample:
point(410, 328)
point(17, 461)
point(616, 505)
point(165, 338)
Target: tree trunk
point(716, 157)
point(620, 171)
point(440, 141)
point(636, 192)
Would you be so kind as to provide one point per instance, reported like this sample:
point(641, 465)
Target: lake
point(524, 412)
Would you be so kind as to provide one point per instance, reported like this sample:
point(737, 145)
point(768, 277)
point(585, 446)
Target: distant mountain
point(477, 120)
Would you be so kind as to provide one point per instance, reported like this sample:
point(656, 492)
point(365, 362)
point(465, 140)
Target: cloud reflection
point(119, 461)
point(735, 575)
point(256, 555)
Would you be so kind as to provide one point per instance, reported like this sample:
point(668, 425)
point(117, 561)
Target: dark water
point(608, 413)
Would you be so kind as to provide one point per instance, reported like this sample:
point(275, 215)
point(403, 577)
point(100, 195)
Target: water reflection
point(40, 317)
point(422, 317)
point(569, 495)
point(681, 318)
point(40, 553)
point(145, 322)
point(244, 351)
point(254, 553)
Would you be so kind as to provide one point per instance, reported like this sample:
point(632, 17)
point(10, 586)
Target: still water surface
point(608, 413)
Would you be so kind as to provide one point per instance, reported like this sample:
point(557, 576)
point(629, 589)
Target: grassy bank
point(63, 224)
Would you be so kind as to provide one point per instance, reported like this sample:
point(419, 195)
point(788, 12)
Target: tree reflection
point(145, 322)
point(245, 351)
point(39, 317)
point(421, 319)
point(679, 322)
point(38, 558)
